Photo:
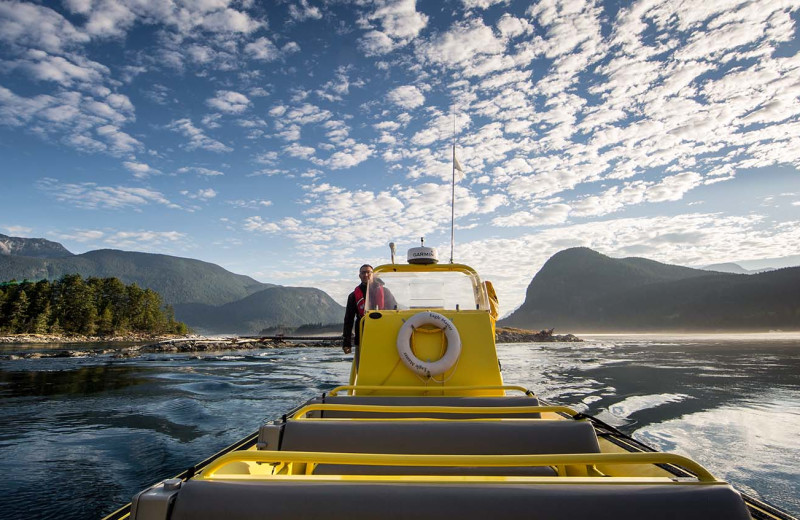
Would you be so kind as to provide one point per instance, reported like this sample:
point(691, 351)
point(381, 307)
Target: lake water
point(80, 436)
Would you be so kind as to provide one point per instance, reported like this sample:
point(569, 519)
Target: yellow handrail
point(351, 388)
point(394, 459)
point(377, 408)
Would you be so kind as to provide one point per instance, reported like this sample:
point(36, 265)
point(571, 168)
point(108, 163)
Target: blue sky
point(293, 140)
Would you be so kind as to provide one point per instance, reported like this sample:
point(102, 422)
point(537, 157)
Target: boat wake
point(619, 414)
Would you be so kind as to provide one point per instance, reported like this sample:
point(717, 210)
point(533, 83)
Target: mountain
point(731, 267)
point(178, 280)
point(204, 295)
point(771, 263)
point(31, 247)
point(581, 290)
point(728, 267)
point(275, 306)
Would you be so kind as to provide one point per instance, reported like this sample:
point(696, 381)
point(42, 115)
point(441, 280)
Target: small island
point(514, 335)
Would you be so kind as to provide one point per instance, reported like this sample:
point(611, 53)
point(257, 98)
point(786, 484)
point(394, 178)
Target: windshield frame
point(481, 299)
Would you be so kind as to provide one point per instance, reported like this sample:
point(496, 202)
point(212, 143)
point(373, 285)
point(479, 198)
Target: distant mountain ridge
point(32, 247)
point(205, 295)
point(731, 267)
point(581, 290)
point(178, 280)
point(276, 306)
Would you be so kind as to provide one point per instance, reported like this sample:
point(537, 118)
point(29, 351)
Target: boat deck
point(346, 455)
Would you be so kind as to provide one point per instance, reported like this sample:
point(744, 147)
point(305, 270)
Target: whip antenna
point(453, 192)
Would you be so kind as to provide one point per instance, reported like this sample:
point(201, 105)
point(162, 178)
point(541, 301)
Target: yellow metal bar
point(376, 408)
point(394, 459)
point(425, 268)
point(484, 479)
point(351, 388)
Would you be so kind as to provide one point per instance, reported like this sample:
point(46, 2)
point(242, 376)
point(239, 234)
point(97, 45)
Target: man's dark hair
point(365, 265)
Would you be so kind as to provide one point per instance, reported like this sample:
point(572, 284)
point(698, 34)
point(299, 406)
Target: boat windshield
point(447, 290)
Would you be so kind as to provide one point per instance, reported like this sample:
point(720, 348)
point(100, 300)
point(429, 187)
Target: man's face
point(365, 273)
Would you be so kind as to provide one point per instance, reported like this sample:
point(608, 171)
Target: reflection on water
point(764, 430)
point(732, 402)
point(83, 380)
point(80, 436)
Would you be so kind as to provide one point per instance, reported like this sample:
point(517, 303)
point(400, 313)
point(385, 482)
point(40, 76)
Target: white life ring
point(429, 368)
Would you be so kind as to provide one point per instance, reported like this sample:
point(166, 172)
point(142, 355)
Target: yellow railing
point(444, 389)
point(421, 409)
point(383, 459)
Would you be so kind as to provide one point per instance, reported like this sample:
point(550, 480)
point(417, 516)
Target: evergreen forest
point(91, 307)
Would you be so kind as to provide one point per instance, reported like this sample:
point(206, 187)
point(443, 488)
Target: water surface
point(81, 435)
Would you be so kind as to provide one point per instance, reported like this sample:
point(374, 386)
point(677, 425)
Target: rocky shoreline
point(184, 344)
point(161, 345)
point(75, 338)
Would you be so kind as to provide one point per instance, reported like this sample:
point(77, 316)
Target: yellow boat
point(428, 429)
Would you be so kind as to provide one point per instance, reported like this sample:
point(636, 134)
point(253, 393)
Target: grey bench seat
point(432, 438)
point(209, 500)
point(424, 401)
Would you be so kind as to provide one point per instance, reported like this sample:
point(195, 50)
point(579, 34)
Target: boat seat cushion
point(529, 436)
point(441, 437)
point(207, 500)
point(428, 401)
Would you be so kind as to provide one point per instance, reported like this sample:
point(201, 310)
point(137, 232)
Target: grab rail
point(377, 408)
point(387, 459)
point(351, 388)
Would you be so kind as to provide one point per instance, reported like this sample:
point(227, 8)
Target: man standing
point(380, 298)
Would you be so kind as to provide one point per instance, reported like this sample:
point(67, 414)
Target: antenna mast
point(453, 191)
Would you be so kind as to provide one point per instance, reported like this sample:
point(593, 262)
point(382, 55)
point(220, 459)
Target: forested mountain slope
point(581, 290)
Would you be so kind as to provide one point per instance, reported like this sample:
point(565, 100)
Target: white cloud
point(250, 204)
point(90, 124)
point(511, 27)
point(463, 43)
point(304, 11)
point(407, 97)
point(18, 230)
point(30, 25)
point(400, 23)
point(230, 21)
point(299, 151)
point(375, 43)
point(262, 49)
point(482, 4)
point(229, 102)
point(118, 141)
point(258, 92)
point(302, 115)
point(197, 139)
point(140, 170)
point(82, 236)
point(205, 194)
point(89, 195)
point(259, 225)
point(65, 71)
point(106, 17)
point(145, 240)
point(290, 48)
point(350, 157)
point(199, 170)
point(674, 187)
point(536, 217)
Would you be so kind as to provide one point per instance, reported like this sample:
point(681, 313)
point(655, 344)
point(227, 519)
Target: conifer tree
point(92, 306)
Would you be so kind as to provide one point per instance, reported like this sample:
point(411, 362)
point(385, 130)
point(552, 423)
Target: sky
point(292, 140)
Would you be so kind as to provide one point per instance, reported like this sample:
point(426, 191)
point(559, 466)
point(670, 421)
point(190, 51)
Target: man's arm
point(349, 318)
